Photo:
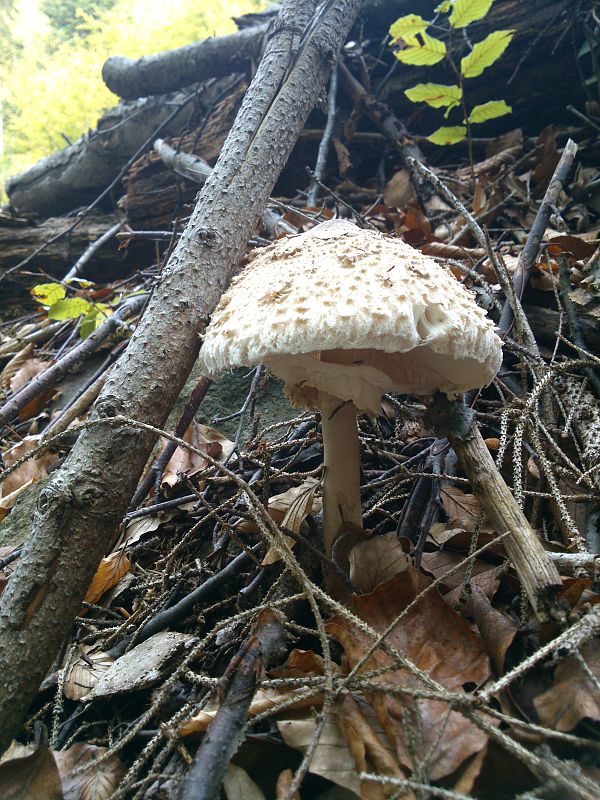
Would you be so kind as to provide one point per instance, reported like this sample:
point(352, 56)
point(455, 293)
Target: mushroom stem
point(341, 458)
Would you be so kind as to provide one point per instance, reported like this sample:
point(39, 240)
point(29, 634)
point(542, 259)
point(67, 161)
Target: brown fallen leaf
point(84, 779)
point(109, 573)
point(29, 773)
point(238, 785)
point(498, 631)
point(86, 670)
point(28, 472)
point(573, 695)
point(438, 642)
point(463, 509)
point(375, 561)
point(185, 462)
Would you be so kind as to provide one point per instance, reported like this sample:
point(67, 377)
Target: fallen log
point(17, 243)
point(80, 508)
point(75, 176)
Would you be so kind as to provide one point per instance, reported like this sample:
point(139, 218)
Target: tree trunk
point(79, 510)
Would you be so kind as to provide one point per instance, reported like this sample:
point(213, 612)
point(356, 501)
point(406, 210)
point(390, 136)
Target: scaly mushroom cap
point(354, 314)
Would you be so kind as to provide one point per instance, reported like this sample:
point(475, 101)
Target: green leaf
point(485, 53)
point(69, 308)
point(489, 110)
point(435, 95)
point(48, 293)
point(430, 52)
point(444, 7)
point(464, 12)
point(450, 135)
point(409, 25)
point(94, 318)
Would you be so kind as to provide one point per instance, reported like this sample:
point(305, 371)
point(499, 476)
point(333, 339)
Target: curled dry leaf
point(290, 509)
point(183, 461)
point(375, 561)
point(85, 672)
point(441, 645)
point(84, 776)
point(29, 773)
point(109, 573)
point(463, 510)
point(8, 501)
point(574, 694)
point(238, 785)
point(31, 470)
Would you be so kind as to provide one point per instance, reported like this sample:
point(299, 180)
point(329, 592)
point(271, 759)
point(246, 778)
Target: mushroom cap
point(352, 313)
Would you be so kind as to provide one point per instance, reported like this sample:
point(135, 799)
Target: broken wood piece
point(537, 573)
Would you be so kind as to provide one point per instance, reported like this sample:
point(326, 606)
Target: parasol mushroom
point(344, 315)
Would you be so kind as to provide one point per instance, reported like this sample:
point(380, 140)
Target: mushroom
point(344, 315)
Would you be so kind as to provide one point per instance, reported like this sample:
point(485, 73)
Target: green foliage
point(52, 88)
point(58, 306)
point(418, 47)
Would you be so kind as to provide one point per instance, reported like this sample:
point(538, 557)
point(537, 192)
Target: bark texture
point(79, 510)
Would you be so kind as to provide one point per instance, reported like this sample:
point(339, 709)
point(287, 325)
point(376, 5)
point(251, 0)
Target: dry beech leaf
point(299, 664)
point(440, 643)
point(332, 758)
point(85, 672)
point(31, 470)
point(238, 785)
point(137, 528)
point(14, 365)
point(29, 370)
point(573, 696)
point(109, 573)
point(95, 781)
point(462, 509)
point(399, 191)
point(440, 562)
point(183, 461)
point(487, 581)
point(290, 509)
point(375, 561)
point(28, 773)
point(8, 501)
point(497, 630)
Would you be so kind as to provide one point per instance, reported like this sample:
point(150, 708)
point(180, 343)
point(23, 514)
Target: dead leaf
point(238, 785)
point(85, 672)
point(95, 781)
point(399, 191)
point(14, 365)
point(185, 462)
point(28, 773)
point(31, 470)
point(375, 561)
point(109, 573)
point(440, 644)
point(8, 501)
point(573, 696)
point(498, 631)
point(463, 510)
point(343, 156)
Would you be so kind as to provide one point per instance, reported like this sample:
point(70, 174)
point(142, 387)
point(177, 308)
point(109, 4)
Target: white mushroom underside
point(364, 375)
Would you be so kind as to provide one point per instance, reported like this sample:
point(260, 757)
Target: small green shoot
point(418, 47)
point(60, 307)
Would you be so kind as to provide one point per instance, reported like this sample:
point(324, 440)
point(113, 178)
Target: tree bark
point(79, 510)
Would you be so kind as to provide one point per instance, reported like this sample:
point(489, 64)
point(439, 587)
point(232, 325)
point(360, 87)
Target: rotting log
point(16, 243)
point(80, 508)
point(76, 175)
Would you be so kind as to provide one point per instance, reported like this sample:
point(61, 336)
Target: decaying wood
point(75, 176)
point(80, 508)
point(154, 193)
point(17, 243)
